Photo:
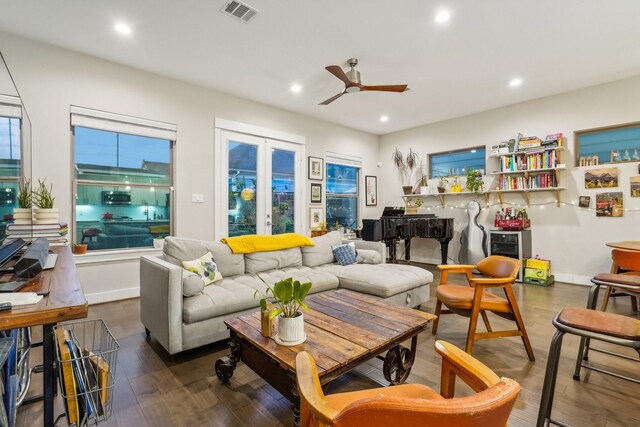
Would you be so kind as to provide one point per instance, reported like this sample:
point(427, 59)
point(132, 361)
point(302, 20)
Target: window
point(123, 181)
point(456, 163)
point(342, 195)
point(612, 144)
point(10, 160)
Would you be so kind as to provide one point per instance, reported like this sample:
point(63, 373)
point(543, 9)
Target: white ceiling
point(458, 68)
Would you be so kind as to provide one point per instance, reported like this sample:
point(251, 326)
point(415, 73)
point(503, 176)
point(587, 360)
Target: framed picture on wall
point(371, 190)
point(316, 216)
point(316, 168)
point(316, 193)
point(635, 186)
point(584, 201)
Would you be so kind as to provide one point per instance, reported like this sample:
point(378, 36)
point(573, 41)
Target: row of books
point(56, 233)
point(525, 162)
point(543, 180)
point(85, 379)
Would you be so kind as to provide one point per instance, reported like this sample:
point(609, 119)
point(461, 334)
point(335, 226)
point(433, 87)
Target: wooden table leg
point(225, 366)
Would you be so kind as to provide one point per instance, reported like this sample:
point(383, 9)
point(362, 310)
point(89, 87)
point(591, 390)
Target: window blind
point(112, 122)
point(10, 106)
point(343, 159)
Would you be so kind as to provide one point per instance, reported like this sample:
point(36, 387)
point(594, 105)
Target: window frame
point(75, 182)
point(579, 133)
point(460, 150)
point(355, 196)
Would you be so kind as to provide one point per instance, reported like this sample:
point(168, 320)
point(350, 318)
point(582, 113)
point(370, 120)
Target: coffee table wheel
point(224, 369)
point(397, 370)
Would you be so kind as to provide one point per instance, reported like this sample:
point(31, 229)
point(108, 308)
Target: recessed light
point(515, 82)
point(296, 88)
point(442, 17)
point(474, 151)
point(384, 119)
point(122, 28)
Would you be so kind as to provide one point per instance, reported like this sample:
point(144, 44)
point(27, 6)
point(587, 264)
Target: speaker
point(371, 230)
point(31, 263)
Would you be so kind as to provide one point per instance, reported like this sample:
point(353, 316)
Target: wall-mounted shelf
point(443, 196)
point(529, 171)
point(527, 193)
point(531, 151)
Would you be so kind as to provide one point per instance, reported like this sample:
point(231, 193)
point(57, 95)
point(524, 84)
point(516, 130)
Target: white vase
point(291, 329)
point(46, 215)
point(158, 243)
point(23, 215)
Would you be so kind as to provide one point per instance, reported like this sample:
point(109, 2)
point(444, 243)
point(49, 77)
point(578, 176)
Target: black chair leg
point(582, 355)
point(548, 389)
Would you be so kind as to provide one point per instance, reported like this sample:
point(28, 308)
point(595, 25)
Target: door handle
point(268, 223)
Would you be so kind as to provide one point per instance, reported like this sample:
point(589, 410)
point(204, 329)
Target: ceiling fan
point(352, 83)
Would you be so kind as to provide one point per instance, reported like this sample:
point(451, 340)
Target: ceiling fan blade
point(337, 71)
point(333, 98)
point(386, 88)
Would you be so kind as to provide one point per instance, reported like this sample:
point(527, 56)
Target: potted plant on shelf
point(475, 182)
point(288, 296)
point(45, 213)
point(405, 166)
point(23, 214)
point(441, 184)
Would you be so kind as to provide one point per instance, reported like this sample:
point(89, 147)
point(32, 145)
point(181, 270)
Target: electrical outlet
point(197, 198)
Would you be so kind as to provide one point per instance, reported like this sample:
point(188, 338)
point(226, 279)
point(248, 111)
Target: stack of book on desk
point(56, 234)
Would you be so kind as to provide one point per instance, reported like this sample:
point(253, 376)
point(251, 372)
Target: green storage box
point(539, 282)
point(536, 273)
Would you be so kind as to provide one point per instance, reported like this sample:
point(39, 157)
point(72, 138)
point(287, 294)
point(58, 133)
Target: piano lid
point(392, 211)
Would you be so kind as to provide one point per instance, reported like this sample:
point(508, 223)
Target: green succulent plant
point(25, 195)
point(288, 295)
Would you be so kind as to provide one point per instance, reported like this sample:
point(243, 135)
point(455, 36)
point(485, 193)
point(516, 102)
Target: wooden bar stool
point(588, 324)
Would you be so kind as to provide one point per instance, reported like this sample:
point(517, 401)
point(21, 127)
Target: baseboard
point(110, 296)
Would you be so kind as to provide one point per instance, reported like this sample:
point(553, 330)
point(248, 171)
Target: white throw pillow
point(205, 267)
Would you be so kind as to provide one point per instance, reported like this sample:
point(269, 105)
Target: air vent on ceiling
point(239, 10)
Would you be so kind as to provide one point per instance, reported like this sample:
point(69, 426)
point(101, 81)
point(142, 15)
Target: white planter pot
point(158, 243)
point(291, 329)
point(23, 215)
point(46, 215)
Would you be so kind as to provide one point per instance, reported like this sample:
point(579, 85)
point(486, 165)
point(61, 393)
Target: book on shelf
point(57, 226)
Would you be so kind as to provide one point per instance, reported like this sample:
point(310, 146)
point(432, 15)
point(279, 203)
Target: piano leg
point(444, 250)
point(407, 249)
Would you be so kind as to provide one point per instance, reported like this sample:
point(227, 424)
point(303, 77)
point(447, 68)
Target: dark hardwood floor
point(153, 390)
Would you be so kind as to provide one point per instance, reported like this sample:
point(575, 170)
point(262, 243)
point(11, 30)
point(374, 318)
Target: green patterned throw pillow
point(205, 267)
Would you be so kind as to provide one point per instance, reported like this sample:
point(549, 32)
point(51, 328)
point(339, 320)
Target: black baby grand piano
point(395, 225)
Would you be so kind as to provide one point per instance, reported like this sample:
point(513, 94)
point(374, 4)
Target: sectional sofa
point(181, 313)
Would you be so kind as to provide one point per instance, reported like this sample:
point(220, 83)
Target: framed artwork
point(584, 201)
point(635, 186)
point(316, 168)
point(316, 193)
point(316, 216)
point(609, 204)
point(601, 178)
point(371, 190)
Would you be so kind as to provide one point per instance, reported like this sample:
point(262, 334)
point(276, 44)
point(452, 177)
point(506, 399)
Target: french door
point(261, 187)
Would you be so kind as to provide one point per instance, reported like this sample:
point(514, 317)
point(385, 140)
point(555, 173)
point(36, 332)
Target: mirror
point(15, 148)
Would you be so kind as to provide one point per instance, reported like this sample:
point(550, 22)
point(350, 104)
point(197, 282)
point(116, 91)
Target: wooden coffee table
point(344, 329)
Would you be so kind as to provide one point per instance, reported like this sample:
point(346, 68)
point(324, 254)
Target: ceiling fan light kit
point(352, 82)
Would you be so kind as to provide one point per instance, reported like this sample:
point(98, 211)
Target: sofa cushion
point(205, 267)
point(258, 262)
point(177, 249)
point(192, 284)
point(368, 256)
point(231, 295)
point(321, 253)
point(382, 280)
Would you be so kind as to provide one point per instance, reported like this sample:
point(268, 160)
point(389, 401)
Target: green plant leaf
point(275, 312)
point(303, 305)
point(283, 290)
point(304, 290)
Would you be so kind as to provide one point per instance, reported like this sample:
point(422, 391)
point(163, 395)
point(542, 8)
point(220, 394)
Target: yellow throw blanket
point(262, 242)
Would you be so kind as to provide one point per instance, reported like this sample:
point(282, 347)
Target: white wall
point(51, 79)
point(573, 238)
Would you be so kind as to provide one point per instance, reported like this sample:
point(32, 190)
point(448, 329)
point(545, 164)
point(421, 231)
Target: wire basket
point(86, 353)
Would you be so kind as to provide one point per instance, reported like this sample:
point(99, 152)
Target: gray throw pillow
point(192, 284)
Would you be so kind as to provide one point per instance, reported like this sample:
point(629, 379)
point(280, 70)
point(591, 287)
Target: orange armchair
point(629, 262)
point(411, 404)
point(476, 300)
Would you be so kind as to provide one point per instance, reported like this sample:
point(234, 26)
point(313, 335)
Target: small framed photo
point(316, 168)
point(584, 201)
point(371, 190)
point(316, 193)
point(316, 216)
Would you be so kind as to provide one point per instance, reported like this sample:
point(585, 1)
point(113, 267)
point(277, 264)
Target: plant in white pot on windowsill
point(288, 297)
point(23, 214)
point(45, 213)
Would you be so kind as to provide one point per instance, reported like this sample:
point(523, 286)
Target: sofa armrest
point(372, 246)
point(161, 301)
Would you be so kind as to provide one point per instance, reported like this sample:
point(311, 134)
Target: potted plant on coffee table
point(23, 214)
point(288, 297)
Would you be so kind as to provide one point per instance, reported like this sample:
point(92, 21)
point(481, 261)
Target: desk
point(65, 302)
point(629, 245)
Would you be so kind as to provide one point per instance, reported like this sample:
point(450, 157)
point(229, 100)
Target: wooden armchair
point(629, 262)
point(500, 272)
point(411, 404)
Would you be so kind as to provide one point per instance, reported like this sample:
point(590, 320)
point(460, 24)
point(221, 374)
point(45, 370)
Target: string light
point(488, 206)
